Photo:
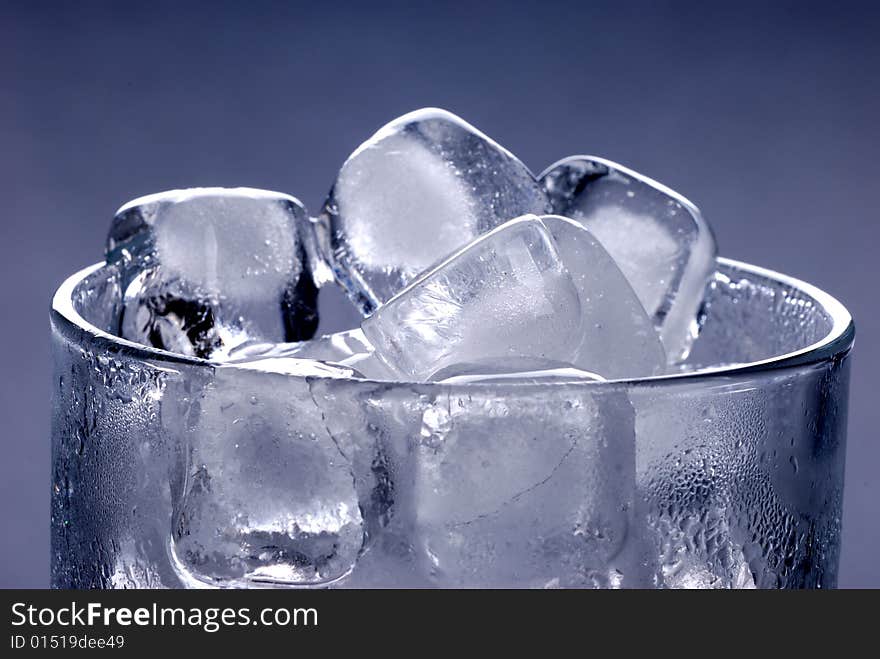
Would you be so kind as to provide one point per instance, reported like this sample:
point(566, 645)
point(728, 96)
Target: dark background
point(765, 116)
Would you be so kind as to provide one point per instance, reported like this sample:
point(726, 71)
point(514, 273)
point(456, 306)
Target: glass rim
point(836, 343)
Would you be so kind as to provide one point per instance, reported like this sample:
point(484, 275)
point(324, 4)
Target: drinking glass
point(170, 471)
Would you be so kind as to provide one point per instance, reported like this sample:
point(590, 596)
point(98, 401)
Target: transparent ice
point(298, 366)
point(422, 187)
point(205, 269)
point(268, 495)
point(506, 294)
point(164, 314)
point(657, 238)
point(508, 493)
point(520, 370)
point(348, 349)
point(517, 291)
point(619, 339)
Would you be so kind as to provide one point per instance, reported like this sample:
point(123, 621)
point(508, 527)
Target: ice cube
point(657, 237)
point(163, 314)
point(329, 348)
point(531, 288)
point(423, 186)
point(511, 491)
point(268, 495)
point(208, 268)
point(506, 294)
point(348, 349)
point(518, 370)
point(619, 340)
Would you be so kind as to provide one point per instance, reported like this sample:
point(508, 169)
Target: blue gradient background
point(765, 116)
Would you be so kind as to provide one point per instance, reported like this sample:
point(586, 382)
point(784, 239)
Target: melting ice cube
point(657, 238)
point(512, 490)
point(531, 288)
point(505, 295)
point(208, 268)
point(268, 495)
point(423, 186)
point(349, 349)
point(619, 339)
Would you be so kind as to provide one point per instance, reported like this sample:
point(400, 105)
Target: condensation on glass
point(729, 475)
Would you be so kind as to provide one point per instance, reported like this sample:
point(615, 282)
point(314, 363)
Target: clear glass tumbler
point(177, 472)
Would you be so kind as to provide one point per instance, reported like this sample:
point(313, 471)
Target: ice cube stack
point(468, 271)
point(466, 266)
